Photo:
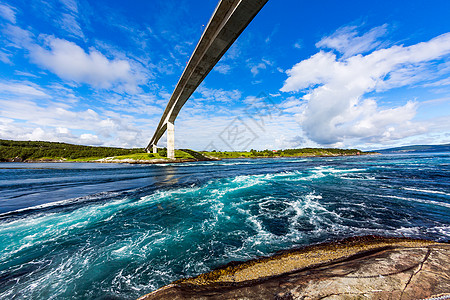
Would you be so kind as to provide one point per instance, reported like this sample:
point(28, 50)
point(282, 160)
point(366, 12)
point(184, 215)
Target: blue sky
point(364, 74)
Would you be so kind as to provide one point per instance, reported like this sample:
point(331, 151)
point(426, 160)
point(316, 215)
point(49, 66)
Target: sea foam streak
point(417, 200)
point(426, 191)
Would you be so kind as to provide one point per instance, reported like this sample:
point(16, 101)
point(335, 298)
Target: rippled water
point(107, 231)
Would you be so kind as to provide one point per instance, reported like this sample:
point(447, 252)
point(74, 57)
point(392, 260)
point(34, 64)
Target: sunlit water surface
point(110, 231)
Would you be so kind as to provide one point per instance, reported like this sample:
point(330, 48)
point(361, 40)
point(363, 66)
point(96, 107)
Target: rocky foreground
point(355, 268)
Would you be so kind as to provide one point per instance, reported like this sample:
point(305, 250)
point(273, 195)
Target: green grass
point(149, 156)
point(182, 155)
point(138, 156)
point(135, 156)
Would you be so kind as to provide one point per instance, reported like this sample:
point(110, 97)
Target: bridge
point(229, 19)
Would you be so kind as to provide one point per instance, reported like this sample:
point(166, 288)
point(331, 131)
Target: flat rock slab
point(356, 268)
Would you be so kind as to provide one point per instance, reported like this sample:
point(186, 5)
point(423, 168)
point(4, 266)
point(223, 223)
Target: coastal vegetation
point(162, 154)
point(53, 151)
point(284, 153)
point(33, 150)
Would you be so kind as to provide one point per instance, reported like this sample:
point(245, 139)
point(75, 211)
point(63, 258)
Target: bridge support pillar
point(155, 149)
point(170, 140)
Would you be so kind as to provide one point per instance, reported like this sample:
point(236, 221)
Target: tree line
point(53, 150)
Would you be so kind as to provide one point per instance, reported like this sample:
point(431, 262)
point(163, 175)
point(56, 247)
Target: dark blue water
point(107, 231)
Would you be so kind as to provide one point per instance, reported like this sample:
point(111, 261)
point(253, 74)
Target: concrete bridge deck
point(230, 18)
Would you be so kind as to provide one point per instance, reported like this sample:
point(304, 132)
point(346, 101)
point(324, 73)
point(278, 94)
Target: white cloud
point(69, 23)
point(8, 13)
point(216, 95)
point(256, 68)
point(335, 108)
point(26, 120)
point(442, 82)
point(346, 40)
point(11, 131)
point(146, 104)
point(69, 61)
point(234, 52)
point(19, 37)
point(21, 89)
point(4, 57)
point(257, 118)
point(272, 34)
point(234, 131)
point(317, 69)
point(27, 74)
point(69, 20)
point(70, 5)
point(222, 68)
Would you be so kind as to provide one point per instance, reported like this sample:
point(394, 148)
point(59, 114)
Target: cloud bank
point(336, 105)
point(71, 62)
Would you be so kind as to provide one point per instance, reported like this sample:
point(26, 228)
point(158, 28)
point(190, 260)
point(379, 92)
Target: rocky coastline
point(368, 267)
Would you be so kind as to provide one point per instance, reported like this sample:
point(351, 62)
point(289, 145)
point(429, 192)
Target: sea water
point(118, 231)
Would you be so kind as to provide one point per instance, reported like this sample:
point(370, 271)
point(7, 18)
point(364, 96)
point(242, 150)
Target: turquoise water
point(107, 231)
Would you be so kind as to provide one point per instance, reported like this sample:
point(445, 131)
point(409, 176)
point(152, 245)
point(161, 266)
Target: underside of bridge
point(230, 18)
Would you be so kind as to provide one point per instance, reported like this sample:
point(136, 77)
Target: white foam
point(426, 191)
point(44, 228)
point(63, 202)
point(359, 177)
point(309, 206)
point(441, 230)
point(238, 163)
point(417, 200)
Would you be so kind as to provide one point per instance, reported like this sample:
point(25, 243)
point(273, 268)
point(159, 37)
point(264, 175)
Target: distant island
point(416, 149)
point(39, 151)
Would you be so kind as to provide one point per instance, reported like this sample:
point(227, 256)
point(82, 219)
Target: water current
point(118, 231)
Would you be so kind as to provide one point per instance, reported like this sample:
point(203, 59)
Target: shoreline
point(115, 161)
point(182, 160)
point(364, 266)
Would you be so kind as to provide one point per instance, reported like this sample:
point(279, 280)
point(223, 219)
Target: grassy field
point(149, 156)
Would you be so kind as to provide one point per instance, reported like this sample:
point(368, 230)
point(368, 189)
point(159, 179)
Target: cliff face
point(358, 268)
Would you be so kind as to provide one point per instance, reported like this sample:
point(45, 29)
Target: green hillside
point(31, 150)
